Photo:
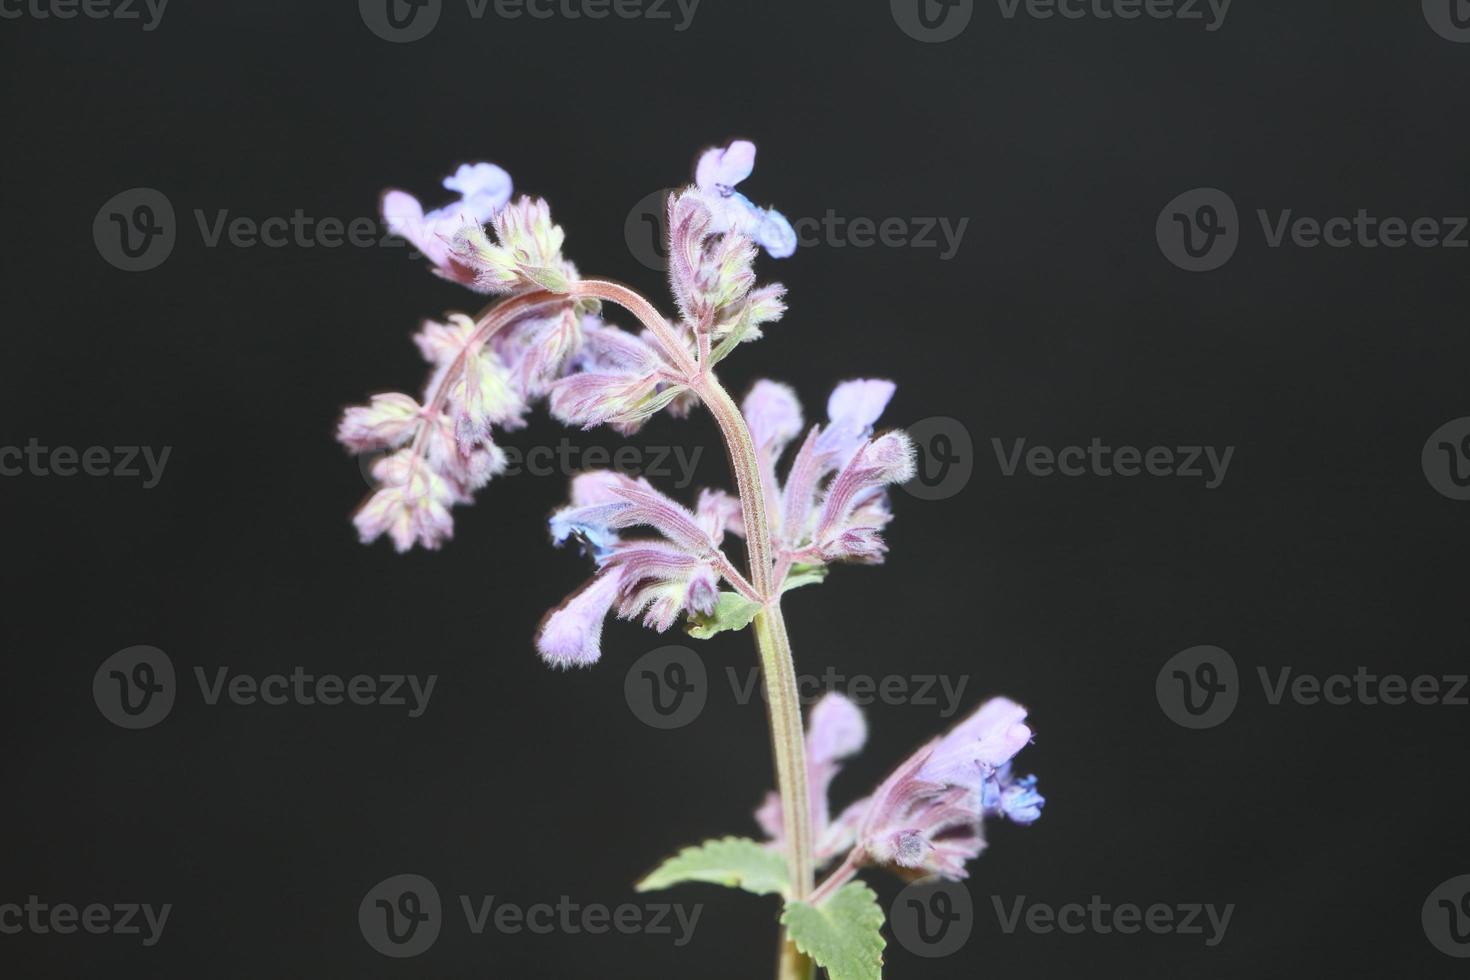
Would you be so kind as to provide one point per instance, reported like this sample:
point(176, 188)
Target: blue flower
point(1014, 799)
point(718, 172)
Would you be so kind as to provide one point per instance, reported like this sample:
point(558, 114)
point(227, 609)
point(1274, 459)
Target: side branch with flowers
point(546, 339)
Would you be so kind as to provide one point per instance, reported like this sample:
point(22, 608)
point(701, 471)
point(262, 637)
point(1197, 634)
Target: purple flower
point(926, 817)
point(526, 253)
point(483, 190)
point(411, 504)
point(852, 409)
point(716, 175)
point(388, 422)
point(835, 731)
point(593, 506)
point(1014, 799)
point(812, 524)
point(621, 380)
point(571, 634)
point(659, 578)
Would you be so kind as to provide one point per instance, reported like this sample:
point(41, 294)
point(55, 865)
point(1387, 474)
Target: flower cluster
point(660, 578)
point(831, 509)
point(813, 522)
point(927, 817)
point(544, 341)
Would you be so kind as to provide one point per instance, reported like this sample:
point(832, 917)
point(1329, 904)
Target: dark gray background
point(1059, 320)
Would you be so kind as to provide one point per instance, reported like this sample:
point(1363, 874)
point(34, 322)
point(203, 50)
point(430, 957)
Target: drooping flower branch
point(654, 558)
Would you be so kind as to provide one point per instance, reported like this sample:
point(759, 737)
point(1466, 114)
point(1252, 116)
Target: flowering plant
point(547, 339)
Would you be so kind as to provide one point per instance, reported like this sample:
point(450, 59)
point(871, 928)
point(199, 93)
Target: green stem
point(778, 668)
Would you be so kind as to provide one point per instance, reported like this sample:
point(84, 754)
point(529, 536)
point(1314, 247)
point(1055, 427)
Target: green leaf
point(803, 575)
point(735, 862)
point(732, 612)
point(843, 934)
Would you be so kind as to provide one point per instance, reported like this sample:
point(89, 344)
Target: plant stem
point(778, 669)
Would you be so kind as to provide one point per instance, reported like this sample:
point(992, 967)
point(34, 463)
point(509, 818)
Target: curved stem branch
point(488, 322)
point(647, 314)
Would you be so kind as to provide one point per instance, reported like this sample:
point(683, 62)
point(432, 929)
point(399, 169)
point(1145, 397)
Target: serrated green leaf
point(843, 934)
point(732, 612)
point(735, 862)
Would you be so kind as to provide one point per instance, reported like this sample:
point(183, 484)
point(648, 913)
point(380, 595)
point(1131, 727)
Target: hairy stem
point(844, 873)
point(778, 669)
point(488, 322)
